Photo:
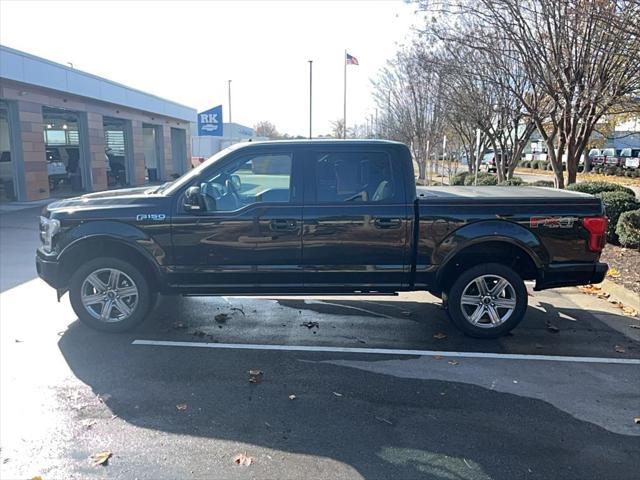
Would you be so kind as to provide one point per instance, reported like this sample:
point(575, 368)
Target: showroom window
point(7, 177)
point(116, 152)
point(62, 151)
point(151, 145)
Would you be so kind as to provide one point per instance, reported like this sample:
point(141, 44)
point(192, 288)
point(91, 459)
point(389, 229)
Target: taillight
point(597, 228)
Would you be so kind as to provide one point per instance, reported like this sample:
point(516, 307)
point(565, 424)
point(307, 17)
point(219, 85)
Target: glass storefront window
point(7, 178)
point(115, 141)
point(150, 143)
point(62, 150)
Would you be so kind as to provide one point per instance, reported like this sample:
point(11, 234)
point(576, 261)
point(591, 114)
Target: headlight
point(48, 229)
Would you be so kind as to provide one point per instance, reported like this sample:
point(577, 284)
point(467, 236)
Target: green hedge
point(513, 182)
point(483, 179)
point(543, 183)
point(628, 229)
point(599, 187)
point(459, 178)
point(615, 204)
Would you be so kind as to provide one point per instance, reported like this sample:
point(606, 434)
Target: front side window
point(354, 177)
point(249, 180)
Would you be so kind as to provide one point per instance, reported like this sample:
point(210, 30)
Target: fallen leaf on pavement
point(591, 289)
point(406, 314)
point(181, 407)
point(292, 397)
point(255, 376)
point(88, 424)
point(242, 459)
point(453, 362)
point(439, 336)
point(551, 327)
point(632, 312)
point(310, 324)
point(37, 477)
point(438, 357)
point(635, 326)
point(222, 317)
point(619, 349)
point(613, 273)
point(102, 458)
point(179, 326)
point(636, 420)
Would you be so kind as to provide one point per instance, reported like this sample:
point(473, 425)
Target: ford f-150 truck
point(318, 217)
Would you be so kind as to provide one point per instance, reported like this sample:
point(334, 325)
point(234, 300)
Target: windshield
point(190, 175)
point(626, 152)
point(609, 152)
point(594, 152)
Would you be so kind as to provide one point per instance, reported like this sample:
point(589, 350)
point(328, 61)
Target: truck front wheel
point(487, 301)
point(109, 294)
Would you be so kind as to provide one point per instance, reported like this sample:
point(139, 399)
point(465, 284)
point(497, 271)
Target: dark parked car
point(319, 217)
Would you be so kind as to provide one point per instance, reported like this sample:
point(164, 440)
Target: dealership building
point(64, 132)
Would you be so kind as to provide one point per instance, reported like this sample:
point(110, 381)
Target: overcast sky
point(186, 51)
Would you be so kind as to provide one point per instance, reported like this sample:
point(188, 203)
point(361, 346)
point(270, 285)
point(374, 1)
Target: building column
point(166, 149)
point(97, 158)
point(137, 142)
point(34, 161)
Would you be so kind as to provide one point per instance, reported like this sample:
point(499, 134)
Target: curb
point(626, 296)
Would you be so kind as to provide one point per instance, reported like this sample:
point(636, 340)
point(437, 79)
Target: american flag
point(351, 60)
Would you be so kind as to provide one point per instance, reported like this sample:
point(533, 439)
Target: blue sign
point(210, 122)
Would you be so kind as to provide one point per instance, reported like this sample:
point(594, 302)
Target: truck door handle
point(283, 225)
point(387, 223)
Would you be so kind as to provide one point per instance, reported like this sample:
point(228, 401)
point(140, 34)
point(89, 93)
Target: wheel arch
point(489, 249)
point(103, 245)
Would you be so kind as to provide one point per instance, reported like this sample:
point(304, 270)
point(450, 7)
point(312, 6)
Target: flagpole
point(344, 116)
point(310, 96)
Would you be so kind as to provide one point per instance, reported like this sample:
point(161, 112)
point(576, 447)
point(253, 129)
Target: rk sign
point(210, 122)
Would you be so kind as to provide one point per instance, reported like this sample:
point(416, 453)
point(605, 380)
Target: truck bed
point(498, 195)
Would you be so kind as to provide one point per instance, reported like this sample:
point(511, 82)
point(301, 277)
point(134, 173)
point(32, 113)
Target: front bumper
point(571, 274)
point(48, 269)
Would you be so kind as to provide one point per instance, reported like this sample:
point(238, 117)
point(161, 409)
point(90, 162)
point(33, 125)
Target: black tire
point(145, 296)
point(485, 328)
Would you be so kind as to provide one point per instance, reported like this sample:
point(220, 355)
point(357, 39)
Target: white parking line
point(387, 351)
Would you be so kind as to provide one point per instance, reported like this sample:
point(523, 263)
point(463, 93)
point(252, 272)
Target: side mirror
point(193, 200)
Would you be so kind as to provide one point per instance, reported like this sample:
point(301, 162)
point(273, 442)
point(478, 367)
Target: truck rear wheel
point(487, 301)
point(110, 295)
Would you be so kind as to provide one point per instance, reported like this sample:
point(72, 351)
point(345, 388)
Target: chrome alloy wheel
point(109, 295)
point(488, 301)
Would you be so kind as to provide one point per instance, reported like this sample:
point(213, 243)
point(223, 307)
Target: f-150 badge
point(551, 222)
point(154, 217)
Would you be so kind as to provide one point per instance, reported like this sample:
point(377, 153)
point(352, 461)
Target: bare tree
point(581, 60)
point(266, 129)
point(337, 128)
point(407, 92)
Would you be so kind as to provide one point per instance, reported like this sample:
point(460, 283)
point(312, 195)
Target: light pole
point(310, 96)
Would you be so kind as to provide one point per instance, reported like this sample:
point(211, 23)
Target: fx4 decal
point(154, 217)
point(551, 222)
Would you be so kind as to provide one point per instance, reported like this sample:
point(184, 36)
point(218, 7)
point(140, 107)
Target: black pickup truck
point(318, 217)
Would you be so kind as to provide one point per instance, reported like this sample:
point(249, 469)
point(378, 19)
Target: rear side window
point(354, 177)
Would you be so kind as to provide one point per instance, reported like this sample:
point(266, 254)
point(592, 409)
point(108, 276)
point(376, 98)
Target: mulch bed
point(624, 266)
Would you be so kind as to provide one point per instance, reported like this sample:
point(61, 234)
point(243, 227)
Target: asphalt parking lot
point(383, 387)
